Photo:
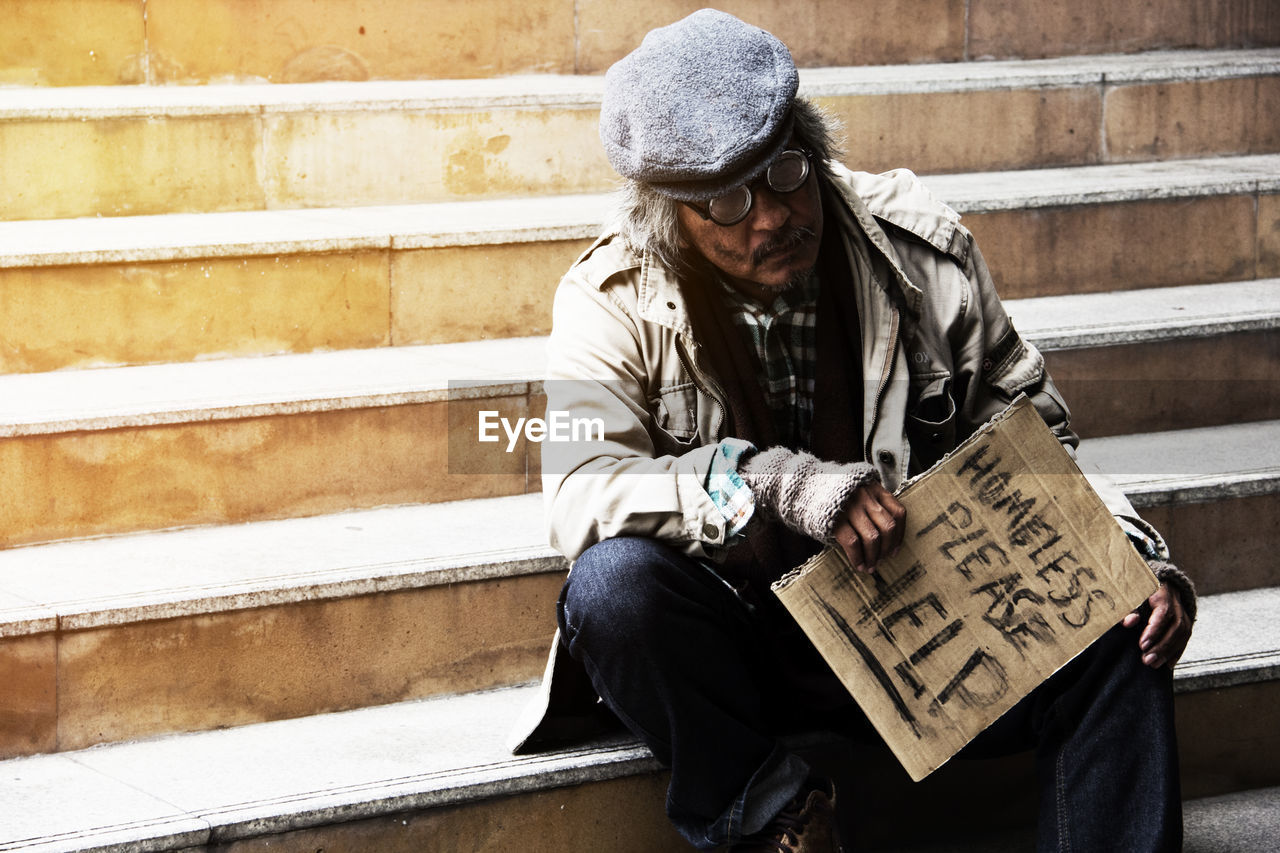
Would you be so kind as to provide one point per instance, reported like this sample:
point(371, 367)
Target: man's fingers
point(1155, 650)
point(888, 502)
point(1156, 626)
point(1167, 631)
point(848, 540)
point(889, 516)
point(868, 533)
point(1168, 647)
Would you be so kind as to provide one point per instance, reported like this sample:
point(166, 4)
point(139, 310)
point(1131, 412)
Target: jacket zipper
point(700, 382)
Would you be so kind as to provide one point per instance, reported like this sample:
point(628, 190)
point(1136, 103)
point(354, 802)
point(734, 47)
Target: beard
point(779, 245)
point(785, 241)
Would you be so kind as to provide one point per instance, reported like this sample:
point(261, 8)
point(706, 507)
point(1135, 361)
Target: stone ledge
point(1107, 69)
point(255, 233)
point(83, 584)
point(979, 192)
point(1236, 641)
point(64, 401)
point(187, 236)
point(1192, 465)
point(305, 772)
point(555, 90)
point(1116, 318)
point(147, 395)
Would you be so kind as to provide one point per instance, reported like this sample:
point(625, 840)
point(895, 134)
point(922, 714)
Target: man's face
point(775, 247)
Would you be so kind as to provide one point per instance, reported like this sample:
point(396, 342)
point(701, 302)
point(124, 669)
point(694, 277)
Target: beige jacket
point(622, 351)
point(938, 352)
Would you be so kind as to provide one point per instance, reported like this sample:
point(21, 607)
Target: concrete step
point(178, 41)
point(1099, 228)
point(120, 151)
point(183, 41)
point(108, 451)
point(1210, 491)
point(132, 636)
point(435, 770)
point(1129, 361)
point(997, 29)
point(1245, 822)
point(190, 286)
point(247, 439)
point(392, 777)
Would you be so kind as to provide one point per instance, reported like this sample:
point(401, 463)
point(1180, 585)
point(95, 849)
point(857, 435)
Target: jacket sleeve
point(613, 480)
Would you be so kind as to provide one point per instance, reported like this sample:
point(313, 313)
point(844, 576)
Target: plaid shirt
point(784, 336)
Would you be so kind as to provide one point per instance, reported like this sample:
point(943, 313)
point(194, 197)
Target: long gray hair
point(646, 219)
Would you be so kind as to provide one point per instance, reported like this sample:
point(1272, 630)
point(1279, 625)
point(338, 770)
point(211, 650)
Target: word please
point(558, 426)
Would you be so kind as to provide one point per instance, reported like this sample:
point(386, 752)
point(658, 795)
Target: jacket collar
point(862, 214)
point(660, 299)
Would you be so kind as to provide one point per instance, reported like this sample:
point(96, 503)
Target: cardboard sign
point(1010, 566)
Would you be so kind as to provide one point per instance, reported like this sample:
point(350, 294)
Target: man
point(773, 343)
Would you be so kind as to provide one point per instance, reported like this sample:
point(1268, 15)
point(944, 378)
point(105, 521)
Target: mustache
point(784, 241)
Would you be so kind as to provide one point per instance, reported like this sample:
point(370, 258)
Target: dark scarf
point(771, 549)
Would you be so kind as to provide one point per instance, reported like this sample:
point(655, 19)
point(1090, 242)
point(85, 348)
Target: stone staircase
point(260, 587)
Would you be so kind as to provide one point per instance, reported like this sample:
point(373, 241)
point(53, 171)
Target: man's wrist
point(805, 493)
point(1178, 581)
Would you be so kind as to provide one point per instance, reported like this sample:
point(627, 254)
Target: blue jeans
point(710, 681)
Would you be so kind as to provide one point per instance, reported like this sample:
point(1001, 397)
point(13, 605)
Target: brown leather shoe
point(807, 824)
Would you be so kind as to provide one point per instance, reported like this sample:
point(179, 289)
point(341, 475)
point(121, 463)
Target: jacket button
point(671, 306)
point(885, 457)
point(710, 531)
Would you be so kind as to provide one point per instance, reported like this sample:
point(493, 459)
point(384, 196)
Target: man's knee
point(1111, 672)
point(618, 583)
point(1117, 652)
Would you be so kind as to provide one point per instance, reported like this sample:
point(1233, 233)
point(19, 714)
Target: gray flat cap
point(701, 106)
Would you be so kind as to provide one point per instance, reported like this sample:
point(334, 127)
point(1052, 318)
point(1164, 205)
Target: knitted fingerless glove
point(1168, 573)
point(803, 492)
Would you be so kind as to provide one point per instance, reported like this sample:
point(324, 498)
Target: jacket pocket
point(931, 419)
point(675, 414)
point(1012, 365)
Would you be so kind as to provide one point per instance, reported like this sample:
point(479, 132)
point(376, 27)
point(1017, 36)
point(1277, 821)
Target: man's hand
point(1168, 630)
point(870, 527)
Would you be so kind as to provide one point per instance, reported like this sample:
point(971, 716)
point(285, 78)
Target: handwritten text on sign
point(1010, 567)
